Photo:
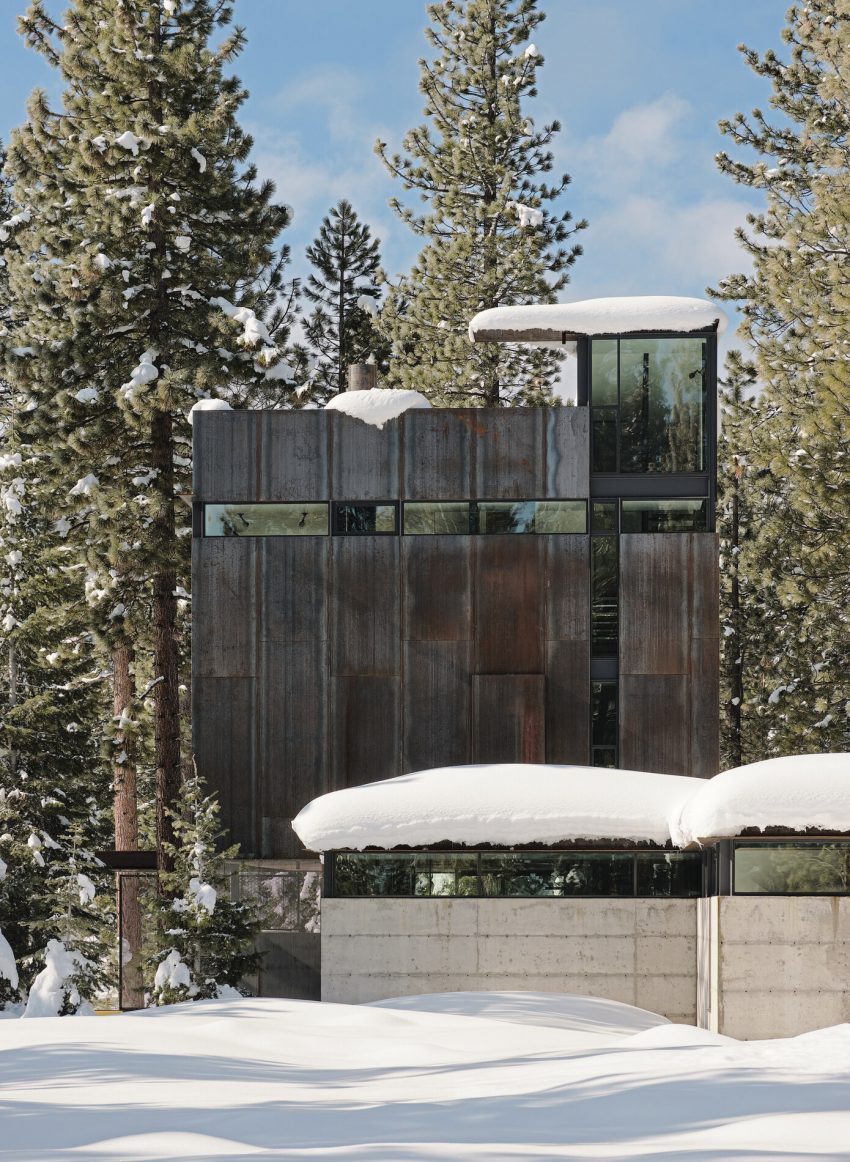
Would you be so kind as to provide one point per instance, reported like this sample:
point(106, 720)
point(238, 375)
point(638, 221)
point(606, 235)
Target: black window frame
point(199, 521)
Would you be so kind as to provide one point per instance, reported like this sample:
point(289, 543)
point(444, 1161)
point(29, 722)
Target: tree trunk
point(166, 691)
point(126, 832)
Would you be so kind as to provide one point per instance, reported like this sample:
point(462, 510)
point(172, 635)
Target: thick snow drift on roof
point(208, 405)
point(597, 317)
point(510, 803)
point(795, 792)
point(376, 405)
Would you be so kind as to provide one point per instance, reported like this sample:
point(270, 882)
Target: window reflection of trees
point(662, 385)
point(811, 868)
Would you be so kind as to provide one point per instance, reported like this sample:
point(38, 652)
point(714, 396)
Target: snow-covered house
point(723, 902)
point(381, 587)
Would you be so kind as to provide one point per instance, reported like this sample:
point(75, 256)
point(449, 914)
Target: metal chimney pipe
point(362, 376)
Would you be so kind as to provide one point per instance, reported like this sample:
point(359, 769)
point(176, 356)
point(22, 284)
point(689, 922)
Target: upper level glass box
point(648, 399)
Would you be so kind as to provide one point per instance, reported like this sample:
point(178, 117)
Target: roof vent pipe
point(362, 376)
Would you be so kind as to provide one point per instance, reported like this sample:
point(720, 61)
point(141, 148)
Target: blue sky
point(638, 86)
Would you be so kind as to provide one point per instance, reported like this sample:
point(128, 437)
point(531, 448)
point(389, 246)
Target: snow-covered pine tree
point(490, 239)
point(53, 780)
point(796, 304)
point(206, 939)
point(343, 285)
point(144, 275)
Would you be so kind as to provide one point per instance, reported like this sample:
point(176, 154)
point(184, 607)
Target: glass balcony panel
point(664, 516)
point(662, 405)
point(453, 875)
point(436, 517)
point(265, 520)
point(793, 868)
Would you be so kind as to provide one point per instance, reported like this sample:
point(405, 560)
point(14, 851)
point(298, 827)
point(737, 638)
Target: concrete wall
point(774, 966)
point(639, 951)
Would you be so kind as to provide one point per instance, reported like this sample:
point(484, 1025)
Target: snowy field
point(493, 1076)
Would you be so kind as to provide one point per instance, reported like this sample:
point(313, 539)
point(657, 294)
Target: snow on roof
point(612, 316)
point(376, 405)
point(516, 803)
point(208, 405)
point(795, 792)
point(510, 803)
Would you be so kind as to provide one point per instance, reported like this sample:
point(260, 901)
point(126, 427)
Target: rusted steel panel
point(705, 708)
point(292, 739)
point(225, 752)
point(365, 730)
point(294, 456)
point(508, 595)
point(437, 595)
point(568, 702)
point(224, 622)
point(438, 453)
point(567, 567)
point(293, 588)
point(705, 585)
point(655, 723)
point(567, 435)
point(508, 718)
point(225, 455)
point(364, 459)
point(364, 606)
point(509, 454)
point(437, 704)
point(654, 603)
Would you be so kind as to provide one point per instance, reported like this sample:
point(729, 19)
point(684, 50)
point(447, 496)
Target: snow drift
point(376, 405)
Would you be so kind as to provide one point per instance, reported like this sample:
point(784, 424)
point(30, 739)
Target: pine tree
point(796, 306)
point(207, 939)
point(490, 239)
point(143, 276)
point(53, 780)
point(346, 265)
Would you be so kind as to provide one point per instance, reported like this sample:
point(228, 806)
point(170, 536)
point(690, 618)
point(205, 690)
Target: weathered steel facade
point(322, 662)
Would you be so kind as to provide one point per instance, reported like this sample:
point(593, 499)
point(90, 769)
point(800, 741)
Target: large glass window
point(354, 519)
point(265, 520)
point(517, 873)
point(792, 868)
point(424, 518)
point(664, 516)
point(648, 399)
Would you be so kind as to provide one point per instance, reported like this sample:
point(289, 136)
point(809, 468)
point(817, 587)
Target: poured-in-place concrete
point(640, 951)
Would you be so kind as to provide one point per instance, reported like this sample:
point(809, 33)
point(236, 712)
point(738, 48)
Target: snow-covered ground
point(494, 1076)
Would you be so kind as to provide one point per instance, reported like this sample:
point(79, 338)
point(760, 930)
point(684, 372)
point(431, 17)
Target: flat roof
point(566, 322)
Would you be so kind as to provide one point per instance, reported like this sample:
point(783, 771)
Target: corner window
point(265, 520)
point(359, 519)
point(648, 404)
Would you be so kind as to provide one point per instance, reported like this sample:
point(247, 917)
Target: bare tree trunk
point(166, 691)
point(126, 831)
